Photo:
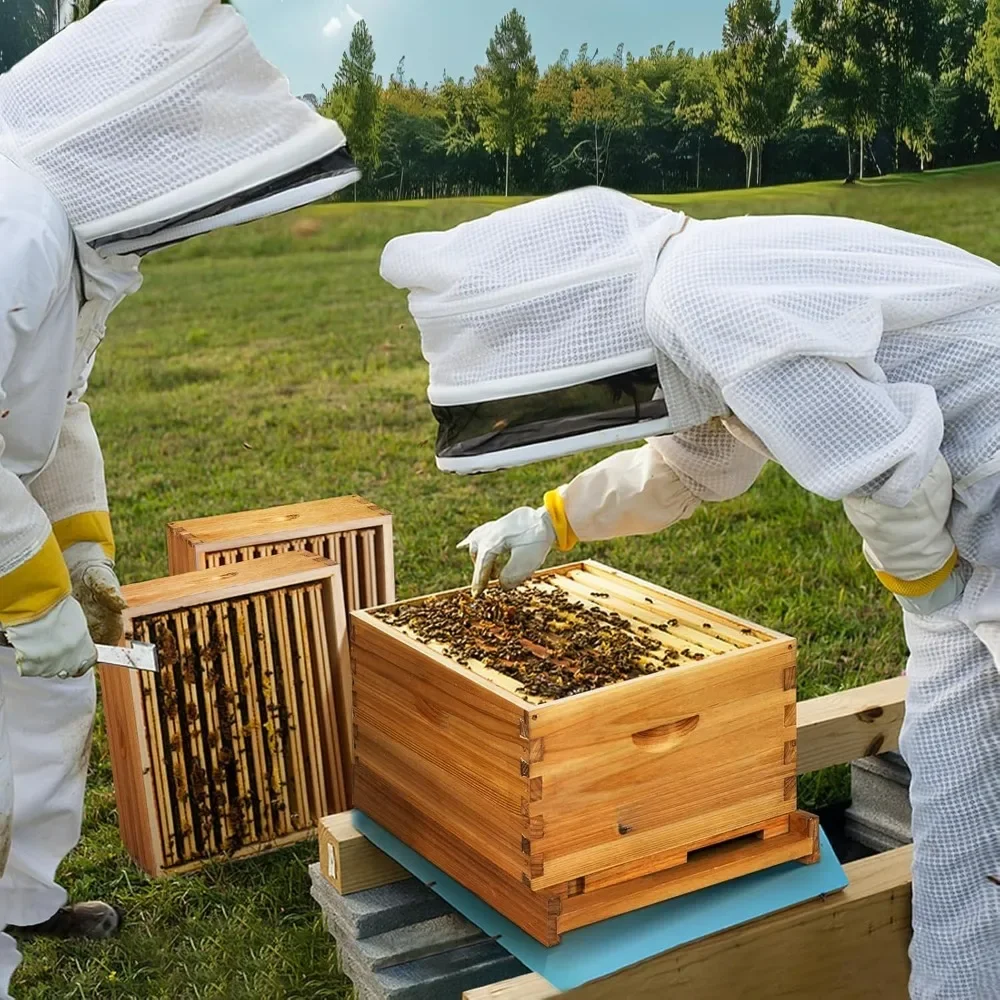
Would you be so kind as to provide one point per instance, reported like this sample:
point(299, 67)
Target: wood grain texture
point(349, 531)
point(848, 946)
point(238, 735)
point(349, 861)
point(841, 727)
point(601, 782)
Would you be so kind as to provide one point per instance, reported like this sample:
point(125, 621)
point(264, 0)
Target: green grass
point(269, 365)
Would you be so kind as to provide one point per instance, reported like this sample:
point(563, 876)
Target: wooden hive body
point(348, 531)
point(236, 746)
point(564, 812)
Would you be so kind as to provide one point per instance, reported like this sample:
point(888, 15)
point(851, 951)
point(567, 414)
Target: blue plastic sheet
point(602, 949)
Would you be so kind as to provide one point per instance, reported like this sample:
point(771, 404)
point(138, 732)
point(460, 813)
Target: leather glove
point(524, 535)
point(56, 645)
point(96, 588)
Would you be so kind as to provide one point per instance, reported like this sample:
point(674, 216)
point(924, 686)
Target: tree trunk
point(697, 169)
point(400, 196)
point(760, 157)
point(597, 158)
point(748, 153)
point(861, 156)
point(850, 158)
point(506, 181)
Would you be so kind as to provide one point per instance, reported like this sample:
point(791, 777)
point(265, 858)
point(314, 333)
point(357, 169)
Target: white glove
point(56, 645)
point(96, 588)
point(524, 534)
point(910, 548)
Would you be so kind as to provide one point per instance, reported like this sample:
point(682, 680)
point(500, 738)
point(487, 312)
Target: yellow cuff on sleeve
point(918, 588)
point(93, 526)
point(34, 587)
point(565, 537)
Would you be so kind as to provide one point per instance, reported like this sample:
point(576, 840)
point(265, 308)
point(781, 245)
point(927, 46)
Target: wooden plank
point(350, 862)
point(332, 740)
point(709, 866)
point(850, 945)
point(338, 664)
point(386, 564)
point(285, 522)
point(224, 583)
point(138, 814)
point(860, 722)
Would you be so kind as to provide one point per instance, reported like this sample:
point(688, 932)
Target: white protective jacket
point(145, 123)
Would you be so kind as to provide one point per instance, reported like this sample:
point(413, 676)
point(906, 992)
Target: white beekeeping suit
point(145, 123)
point(864, 360)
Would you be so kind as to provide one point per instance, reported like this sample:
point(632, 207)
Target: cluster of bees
point(551, 644)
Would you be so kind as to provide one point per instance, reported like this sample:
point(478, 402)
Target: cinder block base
point(403, 942)
point(880, 816)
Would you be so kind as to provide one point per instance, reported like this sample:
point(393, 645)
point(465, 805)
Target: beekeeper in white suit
point(863, 360)
point(146, 123)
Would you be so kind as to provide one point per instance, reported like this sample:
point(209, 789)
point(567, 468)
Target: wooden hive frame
point(848, 945)
point(521, 801)
point(237, 746)
point(349, 531)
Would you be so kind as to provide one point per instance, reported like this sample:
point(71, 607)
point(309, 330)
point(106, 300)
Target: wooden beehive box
point(348, 531)
point(561, 810)
point(236, 747)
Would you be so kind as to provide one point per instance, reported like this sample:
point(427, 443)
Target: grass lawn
point(270, 365)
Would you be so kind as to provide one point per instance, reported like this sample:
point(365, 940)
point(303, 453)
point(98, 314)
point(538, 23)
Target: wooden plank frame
point(237, 746)
point(851, 944)
point(349, 531)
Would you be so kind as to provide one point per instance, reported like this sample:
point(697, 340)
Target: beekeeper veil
point(155, 120)
point(533, 323)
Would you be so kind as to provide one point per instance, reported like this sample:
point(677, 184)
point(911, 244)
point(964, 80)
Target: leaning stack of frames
point(239, 744)
point(348, 531)
point(561, 812)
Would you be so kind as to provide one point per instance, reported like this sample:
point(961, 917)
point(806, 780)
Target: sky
point(306, 38)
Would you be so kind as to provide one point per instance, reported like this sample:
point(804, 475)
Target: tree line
point(849, 88)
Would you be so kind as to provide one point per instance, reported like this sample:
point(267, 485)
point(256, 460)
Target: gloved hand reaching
point(97, 590)
point(56, 645)
point(525, 535)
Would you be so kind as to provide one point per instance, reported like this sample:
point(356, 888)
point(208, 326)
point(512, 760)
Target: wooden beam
point(349, 861)
point(851, 944)
point(842, 727)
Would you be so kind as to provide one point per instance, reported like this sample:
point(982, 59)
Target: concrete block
point(880, 814)
point(399, 945)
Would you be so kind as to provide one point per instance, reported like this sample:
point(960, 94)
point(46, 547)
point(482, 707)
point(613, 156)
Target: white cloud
point(332, 27)
point(353, 14)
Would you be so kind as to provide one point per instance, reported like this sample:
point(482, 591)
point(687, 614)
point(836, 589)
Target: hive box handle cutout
point(662, 738)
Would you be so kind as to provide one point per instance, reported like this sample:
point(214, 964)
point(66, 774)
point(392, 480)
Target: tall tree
point(355, 99)
point(756, 77)
point(696, 109)
point(841, 94)
point(984, 61)
point(510, 119)
point(894, 42)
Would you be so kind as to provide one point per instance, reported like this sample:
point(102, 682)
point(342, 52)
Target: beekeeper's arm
point(874, 446)
point(639, 491)
point(72, 492)
point(38, 614)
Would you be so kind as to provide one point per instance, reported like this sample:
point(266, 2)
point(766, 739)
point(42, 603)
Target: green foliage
point(756, 72)
point(507, 113)
point(356, 98)
point(984, 60)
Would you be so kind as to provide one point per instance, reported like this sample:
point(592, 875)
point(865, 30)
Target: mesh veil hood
point(154, 120)
point(533, 321)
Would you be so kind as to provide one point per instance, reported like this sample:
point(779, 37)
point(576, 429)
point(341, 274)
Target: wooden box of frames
point(238, 745)
point(349, 531)
point(584, 746)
